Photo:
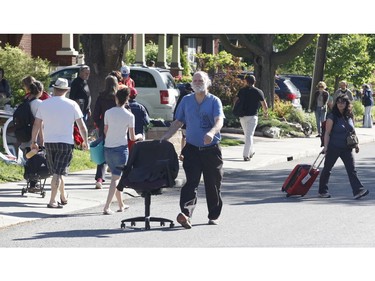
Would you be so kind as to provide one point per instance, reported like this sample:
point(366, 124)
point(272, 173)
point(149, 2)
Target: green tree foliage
point(302, 64)
point(151, 53)
point(348, 59)
point(17, 64)
point(223, 69)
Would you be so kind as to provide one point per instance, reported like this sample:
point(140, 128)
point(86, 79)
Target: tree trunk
point(103, 53)
point(260, 50)
point(320, 59)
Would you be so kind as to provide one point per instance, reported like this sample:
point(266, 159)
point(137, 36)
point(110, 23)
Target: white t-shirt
point(58, 115)
point(34, 105)
point(119, 120)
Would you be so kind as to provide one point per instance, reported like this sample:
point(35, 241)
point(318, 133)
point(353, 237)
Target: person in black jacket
point(5, 91)
point(105, 101)
point(80, 91)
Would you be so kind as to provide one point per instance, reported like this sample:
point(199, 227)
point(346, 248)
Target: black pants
point(208, 161)
point(333, 153)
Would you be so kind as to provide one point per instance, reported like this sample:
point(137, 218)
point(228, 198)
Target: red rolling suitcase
point(302, 178)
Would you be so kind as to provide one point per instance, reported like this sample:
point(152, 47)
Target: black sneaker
point(184, 220)
point(362, 193)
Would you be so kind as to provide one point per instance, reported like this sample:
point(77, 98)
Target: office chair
point(152, 166)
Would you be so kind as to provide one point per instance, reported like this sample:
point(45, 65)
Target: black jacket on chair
point(152, 164)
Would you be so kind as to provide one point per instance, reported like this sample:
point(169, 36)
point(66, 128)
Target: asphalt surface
point(256, 215)
point(16, 208)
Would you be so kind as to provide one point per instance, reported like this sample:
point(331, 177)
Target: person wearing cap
point(140, 113)
point(80, 91)
point(368, 102)
point(56, 117)
point(343, 89)
point(126, 80)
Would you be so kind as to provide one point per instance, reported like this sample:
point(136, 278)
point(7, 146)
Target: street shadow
point(264, 186)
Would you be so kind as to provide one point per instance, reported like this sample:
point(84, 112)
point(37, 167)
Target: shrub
point(223, 69)
point(17, 64)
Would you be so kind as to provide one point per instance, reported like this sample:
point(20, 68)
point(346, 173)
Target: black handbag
point(352, 139)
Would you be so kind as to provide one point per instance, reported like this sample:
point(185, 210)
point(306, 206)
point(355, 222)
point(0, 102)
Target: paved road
point(256, 214)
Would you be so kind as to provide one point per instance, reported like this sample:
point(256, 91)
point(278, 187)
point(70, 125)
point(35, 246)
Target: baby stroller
point(36, 171)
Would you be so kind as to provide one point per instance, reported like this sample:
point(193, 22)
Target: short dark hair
point(250, 79)
point(122, 95)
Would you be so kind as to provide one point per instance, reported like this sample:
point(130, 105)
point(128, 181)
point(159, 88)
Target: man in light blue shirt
point(203, 115)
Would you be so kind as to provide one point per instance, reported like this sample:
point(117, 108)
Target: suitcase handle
point(316, 160)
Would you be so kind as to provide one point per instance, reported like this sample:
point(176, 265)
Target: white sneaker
point(99, 184)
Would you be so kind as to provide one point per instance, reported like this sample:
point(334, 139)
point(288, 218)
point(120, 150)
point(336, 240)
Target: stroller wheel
point(43, 194)
point(23, 191)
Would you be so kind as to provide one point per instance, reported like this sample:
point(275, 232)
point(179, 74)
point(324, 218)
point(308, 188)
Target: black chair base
point(147, 219)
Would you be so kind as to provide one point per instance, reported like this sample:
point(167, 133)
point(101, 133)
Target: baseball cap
point(125, 70)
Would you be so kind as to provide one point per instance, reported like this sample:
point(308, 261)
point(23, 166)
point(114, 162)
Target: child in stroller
point(36, 170)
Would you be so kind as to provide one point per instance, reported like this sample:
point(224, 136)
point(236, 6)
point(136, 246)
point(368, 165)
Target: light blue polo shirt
point(199, 118)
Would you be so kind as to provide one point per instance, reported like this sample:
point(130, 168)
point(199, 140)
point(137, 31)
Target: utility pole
point(320, 60)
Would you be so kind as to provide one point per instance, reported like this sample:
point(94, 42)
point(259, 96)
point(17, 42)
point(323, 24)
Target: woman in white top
point(117, 122)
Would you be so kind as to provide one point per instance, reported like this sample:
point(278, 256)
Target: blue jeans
point(346, 155)
point(320, 115)
point(116, 156)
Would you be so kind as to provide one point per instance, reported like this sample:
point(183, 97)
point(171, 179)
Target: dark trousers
point(208, 161)
point(333, 153)
point(100, 172)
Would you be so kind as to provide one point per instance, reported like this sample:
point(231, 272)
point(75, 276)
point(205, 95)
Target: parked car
point(67, 72)
point(303, 83)
point(156, 88)
point(284, 89)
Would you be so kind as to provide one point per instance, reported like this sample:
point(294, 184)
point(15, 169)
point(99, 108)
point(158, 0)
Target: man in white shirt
point(56, 116)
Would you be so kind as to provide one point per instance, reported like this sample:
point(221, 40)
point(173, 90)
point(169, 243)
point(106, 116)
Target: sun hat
point(61, 83)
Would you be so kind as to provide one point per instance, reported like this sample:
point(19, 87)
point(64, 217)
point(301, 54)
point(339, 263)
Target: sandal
point(123, 208)
point(108, 212)
point(62, 201)
point(58, 206)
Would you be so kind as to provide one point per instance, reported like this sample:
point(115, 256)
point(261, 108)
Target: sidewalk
point(15, 208)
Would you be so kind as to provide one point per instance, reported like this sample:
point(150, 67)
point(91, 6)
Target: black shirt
point(80, 90)
point(251, 97)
